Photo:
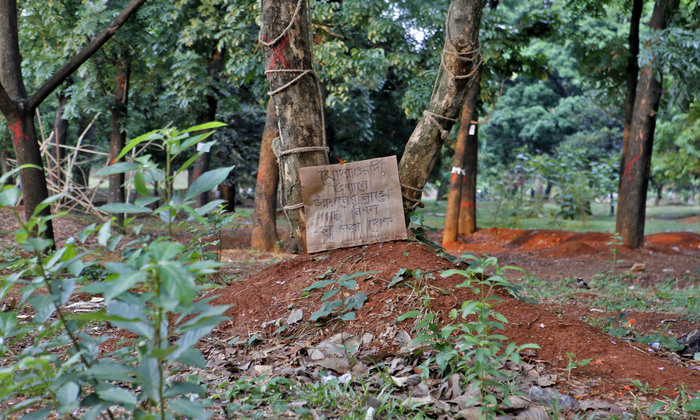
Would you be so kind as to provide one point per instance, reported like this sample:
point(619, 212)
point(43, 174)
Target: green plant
point(54, 361)
point(615, 243)
point(573, 364)
point(473, 346)
point(341, 309)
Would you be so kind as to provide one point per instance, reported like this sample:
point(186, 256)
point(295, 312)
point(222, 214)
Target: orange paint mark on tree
point(277, 53)
point(260, 172)
point(17, 132)
point(628, 168)
point(340, 161)
point(467, 204)
point(453, 178)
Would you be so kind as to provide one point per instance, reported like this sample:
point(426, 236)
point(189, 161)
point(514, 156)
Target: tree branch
point(7, 107)
point(93, 46)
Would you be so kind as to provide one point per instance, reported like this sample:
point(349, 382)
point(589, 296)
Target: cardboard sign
point(352, 204)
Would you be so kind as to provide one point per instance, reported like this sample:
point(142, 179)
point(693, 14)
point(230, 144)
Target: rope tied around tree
point(416, 203)
point(300, 74)
point(473, 56)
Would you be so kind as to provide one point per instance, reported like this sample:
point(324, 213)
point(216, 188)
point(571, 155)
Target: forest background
point(550, 107)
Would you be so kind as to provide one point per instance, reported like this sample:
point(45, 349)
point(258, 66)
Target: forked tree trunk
point(635, 176)
point(264, 236)
point(294, 89)
point(632, 74)
point(459, 173)
point(120, 104)
point(467, 207)
point(461, 59)
point(18, 109)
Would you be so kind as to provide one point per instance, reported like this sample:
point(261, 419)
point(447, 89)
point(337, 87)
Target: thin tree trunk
point(467, 206)
point(632, 74)
point(635, 177)
point(459, 172)
point(60, 129)
point(461, 58)
point(295, 93)
point(264, 237)
point(118, 140)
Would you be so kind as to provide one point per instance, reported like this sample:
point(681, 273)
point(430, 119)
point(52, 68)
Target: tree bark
point(295, 93)
point(634, 180)
point(18, 109)
point(461, 58)
point(119, 110)
point(467, 206)
point(459, 173)
point(632, 74)
point(264, 236)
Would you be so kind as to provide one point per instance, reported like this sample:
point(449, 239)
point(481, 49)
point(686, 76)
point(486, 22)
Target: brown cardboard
point(352, 204)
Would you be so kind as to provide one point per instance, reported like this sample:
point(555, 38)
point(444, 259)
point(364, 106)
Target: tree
point(264, 235)
point(635, 177)
point(18, 107)
point(460, 63)
point(463, 176)
point(288, 60)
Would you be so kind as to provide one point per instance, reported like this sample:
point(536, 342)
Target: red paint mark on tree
point(467, 204)
point(260, 172)
point(17, 131)
point(453, 179)
point(196, 174)
point(278, 53)
point(341, 161)
point(628, 168)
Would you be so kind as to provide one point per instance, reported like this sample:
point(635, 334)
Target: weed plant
point(54, 363)
point(471, 344)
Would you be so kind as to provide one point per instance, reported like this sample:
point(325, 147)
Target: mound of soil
point(264, 302)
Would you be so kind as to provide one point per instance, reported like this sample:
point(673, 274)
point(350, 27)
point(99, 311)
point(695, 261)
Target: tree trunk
point(295, 93)
point(467, 206)
point(201, 165)
point(118, 140)
point(459, 172)
point(634, 180)
point(264, 236)
point(20, 117)
point(60, 130)
point(632, 74)
point(461, 59)
point(18, 109)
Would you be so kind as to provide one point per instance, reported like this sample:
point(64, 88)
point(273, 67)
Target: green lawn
point(663, 218)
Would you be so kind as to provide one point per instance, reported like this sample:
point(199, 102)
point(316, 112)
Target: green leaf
point(123, 208)
point(205, 126)
point(183, 388)
point(407, 315)
point(356, 301)
point(8, 322)
point(118, 168)
point(189, 409)
point(67, 397)
point(9, 197)
point(140, 183)
point(177, 283)
point(207, 181)
point(152, 135)
point(349, 316)
point(115, 394)
point(329, 294)
point(131, 316)
point(192, 357)
point(692, 405)
point(165, 251)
